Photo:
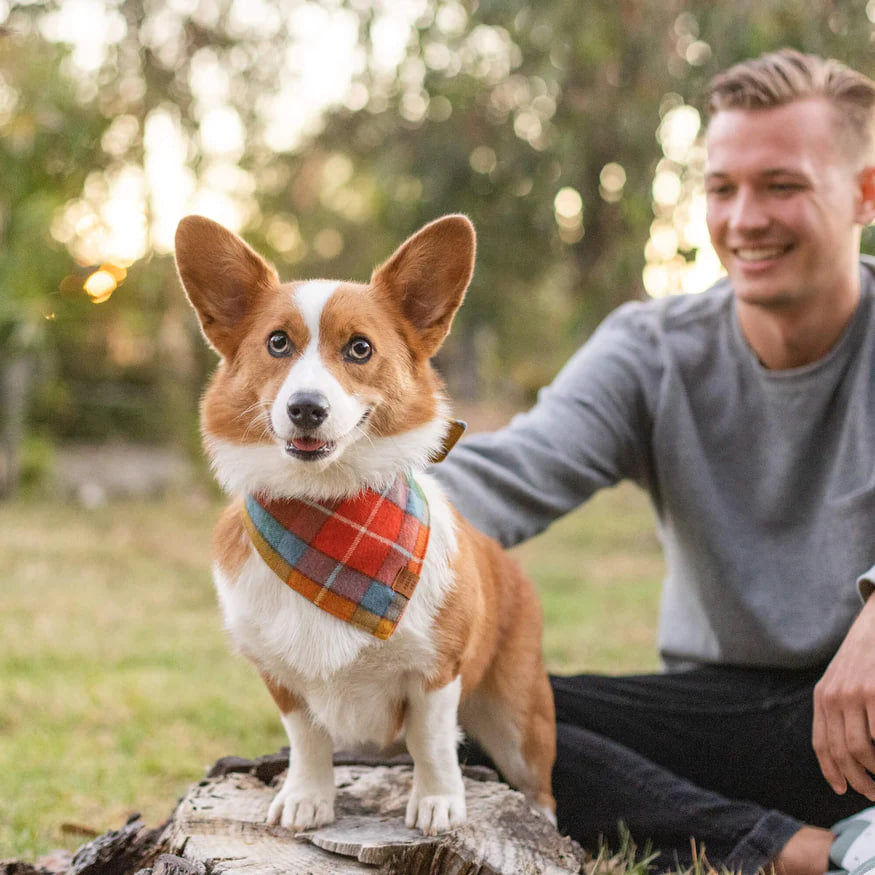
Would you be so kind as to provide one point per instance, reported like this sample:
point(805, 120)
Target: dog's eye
point(358, 350)
point(279, 345)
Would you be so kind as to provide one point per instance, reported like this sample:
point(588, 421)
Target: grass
point(117, 684)
point(598, 571)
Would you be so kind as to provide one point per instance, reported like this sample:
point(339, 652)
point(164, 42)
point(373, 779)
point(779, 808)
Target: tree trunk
point(219, 827)
point(16, 377)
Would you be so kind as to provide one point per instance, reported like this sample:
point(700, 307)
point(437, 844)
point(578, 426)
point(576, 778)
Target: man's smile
point(760, 253)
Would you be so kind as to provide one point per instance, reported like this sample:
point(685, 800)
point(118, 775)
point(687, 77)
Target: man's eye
point(279, 345)
point(358, 350)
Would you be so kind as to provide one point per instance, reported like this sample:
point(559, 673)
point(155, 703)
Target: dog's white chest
point(353, 683)
point(280, 629)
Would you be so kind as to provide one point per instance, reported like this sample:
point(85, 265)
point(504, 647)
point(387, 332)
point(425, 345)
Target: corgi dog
point(373, 612)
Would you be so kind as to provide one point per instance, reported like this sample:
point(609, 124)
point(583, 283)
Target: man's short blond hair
point(778, 78)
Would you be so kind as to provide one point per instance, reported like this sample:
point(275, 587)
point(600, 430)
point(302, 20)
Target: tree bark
point(220, 827)
point(16, 377)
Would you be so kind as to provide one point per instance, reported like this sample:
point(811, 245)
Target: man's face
point(784, 203)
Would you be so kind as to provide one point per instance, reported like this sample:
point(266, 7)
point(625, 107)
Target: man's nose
point(748, 212)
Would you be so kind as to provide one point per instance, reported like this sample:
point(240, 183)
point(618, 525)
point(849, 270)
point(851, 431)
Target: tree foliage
point(47, 148)
point(538, 120)
point(502, 106)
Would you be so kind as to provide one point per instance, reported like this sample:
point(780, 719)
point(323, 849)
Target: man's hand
point(844, 710)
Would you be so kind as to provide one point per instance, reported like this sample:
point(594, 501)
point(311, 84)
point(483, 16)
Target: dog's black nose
point(308, 409)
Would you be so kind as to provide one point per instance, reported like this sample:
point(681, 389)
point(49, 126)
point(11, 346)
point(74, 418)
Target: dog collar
point(455, 429)
point(359, 559)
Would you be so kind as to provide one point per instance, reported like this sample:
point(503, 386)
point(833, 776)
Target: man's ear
point(866, 199)
point(222, 277)
point(428, 275)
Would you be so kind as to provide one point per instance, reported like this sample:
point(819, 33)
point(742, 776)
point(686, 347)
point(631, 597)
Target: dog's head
point(323, 386)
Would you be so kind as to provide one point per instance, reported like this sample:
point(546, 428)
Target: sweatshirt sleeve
point(589, 429)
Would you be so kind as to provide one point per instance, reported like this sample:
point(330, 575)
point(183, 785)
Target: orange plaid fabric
point(359, 559)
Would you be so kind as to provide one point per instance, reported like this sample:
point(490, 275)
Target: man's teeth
point(759, 254)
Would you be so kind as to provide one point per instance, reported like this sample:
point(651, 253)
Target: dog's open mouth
point(309, 449)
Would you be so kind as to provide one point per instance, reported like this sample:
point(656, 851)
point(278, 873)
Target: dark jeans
point(719, 755)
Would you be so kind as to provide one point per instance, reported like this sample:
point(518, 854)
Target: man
point(748, 414)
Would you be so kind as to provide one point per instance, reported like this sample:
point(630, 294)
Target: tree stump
point(219, 827)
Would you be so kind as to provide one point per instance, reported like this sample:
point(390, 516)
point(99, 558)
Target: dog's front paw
point(436, 814)
point(297, 811)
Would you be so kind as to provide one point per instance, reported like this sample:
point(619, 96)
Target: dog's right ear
point(223, 277)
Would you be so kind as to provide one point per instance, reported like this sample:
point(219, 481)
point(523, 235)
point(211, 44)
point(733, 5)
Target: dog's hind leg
point(523, 754)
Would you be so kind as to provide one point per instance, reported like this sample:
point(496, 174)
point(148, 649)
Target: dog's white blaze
point(311, 374)
point(310, 299)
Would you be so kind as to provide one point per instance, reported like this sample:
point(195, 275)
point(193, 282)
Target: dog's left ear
point(428, 275)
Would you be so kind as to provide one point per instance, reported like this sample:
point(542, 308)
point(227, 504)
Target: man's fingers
point(842, 741)
point(870, 719)
point(859, 778)
point(859, 732)
point(851, 748)
point(844, 710)
point(858, 738)
point(821, 745)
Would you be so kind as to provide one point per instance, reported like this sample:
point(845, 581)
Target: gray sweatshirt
point(763, 482)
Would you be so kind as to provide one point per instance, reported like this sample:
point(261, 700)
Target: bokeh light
point(679, 258)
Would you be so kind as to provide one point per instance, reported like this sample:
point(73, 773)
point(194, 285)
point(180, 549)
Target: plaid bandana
point(358, 559)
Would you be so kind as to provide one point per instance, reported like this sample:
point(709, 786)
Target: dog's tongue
point(307, 445)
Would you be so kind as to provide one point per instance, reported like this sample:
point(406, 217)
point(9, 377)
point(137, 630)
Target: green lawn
point(117, 686)
point(598, 571)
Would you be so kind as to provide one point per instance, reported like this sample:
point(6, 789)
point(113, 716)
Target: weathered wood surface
point(219, 828)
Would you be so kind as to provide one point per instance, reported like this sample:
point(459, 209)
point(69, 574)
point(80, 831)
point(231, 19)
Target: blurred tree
point(546, 123)
point(538, 121)
point(47, 146)
point(86, 88)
